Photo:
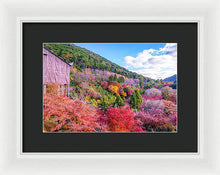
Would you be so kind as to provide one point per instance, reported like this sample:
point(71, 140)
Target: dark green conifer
point(110, 78)
point(141, 82)
point(136, 100)
point(119, 101)
point(115, 78)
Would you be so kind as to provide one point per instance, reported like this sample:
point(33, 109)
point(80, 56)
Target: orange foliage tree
point(123, 94)
point(115, 83)
point(53, 88)
point(113, 89)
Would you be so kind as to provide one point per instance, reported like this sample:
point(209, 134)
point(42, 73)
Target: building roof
point(56, 55)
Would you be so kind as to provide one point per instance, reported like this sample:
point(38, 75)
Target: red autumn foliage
point(104, 84)
point(115, 83)
point(63, 114)
point(130, 92)
point(175, 118)
point(121, 120)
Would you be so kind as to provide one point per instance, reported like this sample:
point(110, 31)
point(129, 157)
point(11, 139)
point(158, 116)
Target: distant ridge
point(172, 78)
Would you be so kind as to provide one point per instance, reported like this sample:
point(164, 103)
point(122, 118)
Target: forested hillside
point(82, 58)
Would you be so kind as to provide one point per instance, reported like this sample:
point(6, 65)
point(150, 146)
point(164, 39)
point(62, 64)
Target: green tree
point(108, 67)
point(121, 79)
point(158, 81)
point(111, 78)
point(107, 100)
point(148, 86)
point(133, 100)
point(139, 99)
point(127, 88)
point(119, 101)
point(141, 82)
point(60, 52)
point(104, 102)
point(136, 100)
point(102, 66)
point(74, 59)
point(94, 103)
point(115, 78)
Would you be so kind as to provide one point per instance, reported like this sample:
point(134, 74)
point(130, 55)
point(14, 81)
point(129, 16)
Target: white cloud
point(156, 64)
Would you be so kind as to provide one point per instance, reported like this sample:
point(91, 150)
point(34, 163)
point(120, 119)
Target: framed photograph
point(85, 92)
point(105, 87)
point(110, 87)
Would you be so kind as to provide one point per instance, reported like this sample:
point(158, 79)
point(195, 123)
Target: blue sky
point(155, 60)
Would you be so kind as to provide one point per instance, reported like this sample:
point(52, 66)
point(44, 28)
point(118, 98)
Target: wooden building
point(55, 70)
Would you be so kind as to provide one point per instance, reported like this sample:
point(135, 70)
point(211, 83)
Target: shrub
point(165, 92)
point(169, 108)
point(153, 93)
point(169, 94)
point(74, 70)
point(123, 94)
point(104, 84)
point(121, 120)
point(159, 86)
point(166, 88)
point(172, 94)
point(158, 115)
point(159, 107)
point(152, 123)
point(94, 102)
point(113, 89)
point(62, 114)
point(52, 88)
point(132, 81)
point(127, 88)
point(153, 107)
point(79, 77)
point(130, 92)
point(121, 79)
point(106, 101)
point(115, 83)
point(93, 93)
point(73, 94)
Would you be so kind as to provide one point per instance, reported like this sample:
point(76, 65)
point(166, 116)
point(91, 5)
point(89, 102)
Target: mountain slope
point(172, 78)
point(82, 58)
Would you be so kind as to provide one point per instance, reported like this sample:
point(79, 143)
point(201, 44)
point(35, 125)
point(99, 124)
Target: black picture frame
point(185, 34)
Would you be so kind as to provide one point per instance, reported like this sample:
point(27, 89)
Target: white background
point(206, 11)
